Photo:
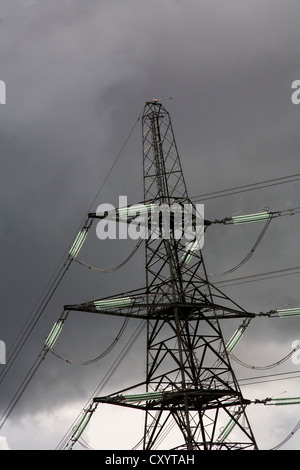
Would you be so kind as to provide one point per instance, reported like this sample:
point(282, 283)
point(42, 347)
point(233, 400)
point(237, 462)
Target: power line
point(43, 302)
point(290, 435)
point(247, 187)
point(269, 378)
point(68, 440)
point(22, 388)
point(269, 366)
point(36, 317)
point(230, 82)
point(115, 268)
point(248, 256)
point(255, 277)
point(100, 356)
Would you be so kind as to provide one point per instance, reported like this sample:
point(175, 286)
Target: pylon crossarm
point(141, 309)
point(126, 213)
point(204, 399)
point(132, 213)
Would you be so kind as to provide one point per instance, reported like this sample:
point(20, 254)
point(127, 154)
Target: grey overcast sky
point(77, 76)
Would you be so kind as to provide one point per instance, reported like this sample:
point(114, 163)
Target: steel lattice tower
point(190, 386)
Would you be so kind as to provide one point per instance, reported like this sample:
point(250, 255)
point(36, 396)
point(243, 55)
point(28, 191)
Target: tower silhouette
point(190, 389)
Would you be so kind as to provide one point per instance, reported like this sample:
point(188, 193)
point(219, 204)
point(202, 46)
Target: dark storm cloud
point(77, 75)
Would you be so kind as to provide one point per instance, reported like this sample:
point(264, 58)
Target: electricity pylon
point(190, 388)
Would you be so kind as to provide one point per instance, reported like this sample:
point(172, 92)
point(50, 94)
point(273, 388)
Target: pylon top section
point(163, 176)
